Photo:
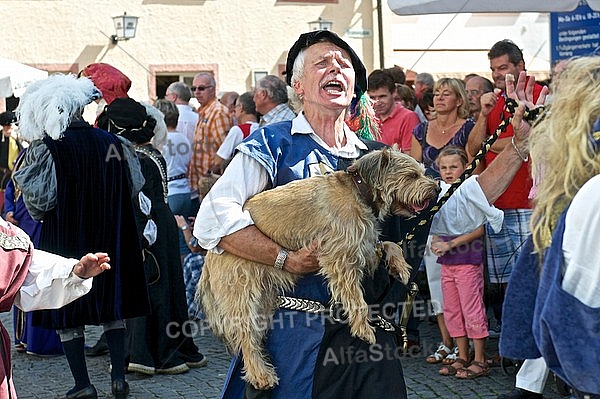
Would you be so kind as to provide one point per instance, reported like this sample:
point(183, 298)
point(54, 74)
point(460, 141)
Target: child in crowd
point(462, 282)
point(192, 266)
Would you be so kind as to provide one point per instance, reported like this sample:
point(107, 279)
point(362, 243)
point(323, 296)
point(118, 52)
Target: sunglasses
point(199, 88)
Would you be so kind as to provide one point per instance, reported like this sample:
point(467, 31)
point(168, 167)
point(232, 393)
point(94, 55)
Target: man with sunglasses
point(213, 124)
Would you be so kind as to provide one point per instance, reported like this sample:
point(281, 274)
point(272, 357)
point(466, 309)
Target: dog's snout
point(433, 186)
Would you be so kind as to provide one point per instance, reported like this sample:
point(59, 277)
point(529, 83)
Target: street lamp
point(125, 26)
point(320, 24)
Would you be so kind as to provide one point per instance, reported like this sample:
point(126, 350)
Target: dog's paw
point(262, 381)
point(400, 270)
point(396, 264)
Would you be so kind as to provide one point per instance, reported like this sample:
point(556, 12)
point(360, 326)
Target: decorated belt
point(334, 311)
point(177, 177)
point(582, 395)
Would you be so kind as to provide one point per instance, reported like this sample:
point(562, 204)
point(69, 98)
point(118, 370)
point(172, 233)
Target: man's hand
point(91, 265)
point(302, 261)
point(9, 217)
point(488, 102)
point(522, 92)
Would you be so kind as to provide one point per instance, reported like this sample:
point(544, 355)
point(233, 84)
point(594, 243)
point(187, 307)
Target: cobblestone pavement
point(45, 378)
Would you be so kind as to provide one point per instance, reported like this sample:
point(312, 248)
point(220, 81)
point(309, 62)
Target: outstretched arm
point(53, 281)
point(469, 206)
point(91, 265)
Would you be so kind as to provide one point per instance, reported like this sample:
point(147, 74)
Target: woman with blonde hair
point(563, 309)
point(451, 126)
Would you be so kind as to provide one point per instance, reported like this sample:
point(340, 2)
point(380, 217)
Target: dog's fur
point(238, 295)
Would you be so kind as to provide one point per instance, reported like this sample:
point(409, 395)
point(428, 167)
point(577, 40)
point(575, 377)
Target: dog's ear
point(385, 159)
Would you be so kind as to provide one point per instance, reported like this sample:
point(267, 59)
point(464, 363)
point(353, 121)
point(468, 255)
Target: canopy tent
point(415, 7)
point(14, 77)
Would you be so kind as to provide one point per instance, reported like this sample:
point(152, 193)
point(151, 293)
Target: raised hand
point(488, 102)
point(522, 91)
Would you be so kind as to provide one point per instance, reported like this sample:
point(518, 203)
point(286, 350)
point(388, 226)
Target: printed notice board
point(575, 33)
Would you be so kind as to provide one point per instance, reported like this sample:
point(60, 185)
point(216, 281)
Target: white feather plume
point(160, 130)
point(48, 106)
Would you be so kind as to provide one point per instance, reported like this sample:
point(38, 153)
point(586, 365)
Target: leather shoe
point(519, 393)
point(99, 349)
point(120, 389)
point(88, 392)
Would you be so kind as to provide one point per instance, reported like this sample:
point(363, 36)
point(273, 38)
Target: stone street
point(45, 378)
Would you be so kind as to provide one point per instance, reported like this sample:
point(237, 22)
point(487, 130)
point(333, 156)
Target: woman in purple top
point(450, 127)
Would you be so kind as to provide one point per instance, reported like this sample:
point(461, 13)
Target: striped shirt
point(213, 124)
point(278, 114)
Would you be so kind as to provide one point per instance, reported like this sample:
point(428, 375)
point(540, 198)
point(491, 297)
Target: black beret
point(308, 39)
point(8, 117)
point(129, 118)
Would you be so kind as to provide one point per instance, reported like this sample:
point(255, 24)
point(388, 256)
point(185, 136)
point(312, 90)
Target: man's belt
point(334, 311)
point(177, 177)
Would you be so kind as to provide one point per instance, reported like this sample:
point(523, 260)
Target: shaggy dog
point(338, 211)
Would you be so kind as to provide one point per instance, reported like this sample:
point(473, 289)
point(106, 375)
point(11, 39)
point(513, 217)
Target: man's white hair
point(48, 106)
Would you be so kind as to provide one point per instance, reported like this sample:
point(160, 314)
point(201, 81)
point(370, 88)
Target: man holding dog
point(315, 357)
point(325, 73)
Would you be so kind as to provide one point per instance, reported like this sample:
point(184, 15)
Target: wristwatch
point(184, 228)
point(281, 257)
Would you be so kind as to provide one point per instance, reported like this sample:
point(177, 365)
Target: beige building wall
point(231, 38)
point(236, 39)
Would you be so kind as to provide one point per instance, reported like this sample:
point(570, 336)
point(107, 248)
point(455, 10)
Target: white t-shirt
point(581, 247)
point(188, 118)
point(177, 152)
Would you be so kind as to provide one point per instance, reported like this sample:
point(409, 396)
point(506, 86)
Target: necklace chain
point(443, 130)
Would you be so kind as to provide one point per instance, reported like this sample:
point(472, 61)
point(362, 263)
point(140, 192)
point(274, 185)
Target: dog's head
point(397, 182)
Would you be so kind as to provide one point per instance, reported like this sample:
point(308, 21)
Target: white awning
point(456, 45)
point(14, 77)
point(415, 7)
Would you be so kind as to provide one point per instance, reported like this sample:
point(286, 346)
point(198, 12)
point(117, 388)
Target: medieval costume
point(156, 342)
point(79, 181)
